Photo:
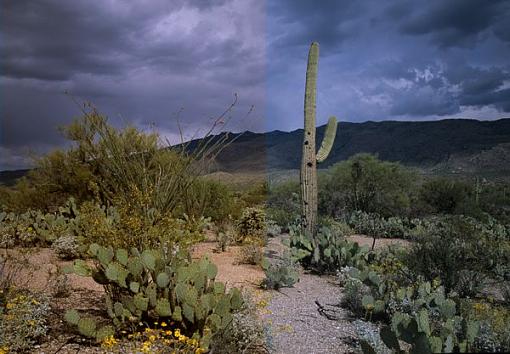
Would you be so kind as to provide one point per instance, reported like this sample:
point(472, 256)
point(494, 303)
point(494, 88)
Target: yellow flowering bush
point(23, 319)
point(162, 339)
point(494, 321)
point(126, 227)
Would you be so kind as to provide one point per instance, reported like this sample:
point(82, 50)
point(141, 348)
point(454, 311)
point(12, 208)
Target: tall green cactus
point(310, 159)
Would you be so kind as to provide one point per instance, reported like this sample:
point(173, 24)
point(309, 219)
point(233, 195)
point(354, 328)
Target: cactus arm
point(328, 140)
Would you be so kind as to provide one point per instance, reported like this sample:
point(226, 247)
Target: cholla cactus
point(310, 159)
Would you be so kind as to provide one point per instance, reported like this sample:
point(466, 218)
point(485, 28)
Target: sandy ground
point(292, 313)
point(39, 265)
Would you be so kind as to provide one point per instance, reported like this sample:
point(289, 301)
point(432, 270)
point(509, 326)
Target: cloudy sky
point(141, 62)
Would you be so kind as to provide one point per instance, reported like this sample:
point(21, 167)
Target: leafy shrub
point(376, 226)
point(494, 333)
point(452, 252)
point(122, 227)
point(353, 291)
point(7, 236)
point(339, 228)
point(251, 253)
point(365, 183)
point(247, 333)
point(443, 195)
point(211, 199)
point(252, 224)
point(281, 274)
point(23, 320)
point(369, 334)
point(157, 285)
point(60, 285)
point(283, 203)
point(67, 247)
point(272, 228)
point(158, 340)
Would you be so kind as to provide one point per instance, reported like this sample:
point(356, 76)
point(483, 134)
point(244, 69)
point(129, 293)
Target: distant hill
point(8, 178)
point(462, 145)
point(449, 146)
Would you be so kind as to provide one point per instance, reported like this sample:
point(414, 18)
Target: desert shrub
point(354, 290)
point(211, 199)
point(226, 234)
point(339, 228)
point(247, 334)
point(272, 228)
point(494, 335)
point(157, 285)
point(494, 199)
point(251, 253)
point(7, 235)
point(376, 226)
point(256, 195)
point(111, 165)
point(443, 195)
point(280, 274)
point(123, 227)
point(67, 247)
point(365, 183)
point(283, 203)
point(60, 286)
point(452, 252)
point(251, 224)
point(23, 320)
point(369, 333)
point(160, 340)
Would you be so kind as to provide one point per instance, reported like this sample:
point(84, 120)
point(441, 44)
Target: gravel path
point(296, 320)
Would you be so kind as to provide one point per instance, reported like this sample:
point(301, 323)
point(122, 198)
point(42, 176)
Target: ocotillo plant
point(310, 158)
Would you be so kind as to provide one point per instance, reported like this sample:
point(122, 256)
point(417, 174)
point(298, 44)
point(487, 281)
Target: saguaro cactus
point(310, 159)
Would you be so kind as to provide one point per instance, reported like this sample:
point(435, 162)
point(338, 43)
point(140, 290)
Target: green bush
point(123, 227)
point(283, 203)
point(251, 253)
point(210, 199)
point(67, 247)
point(365, 183)
point(156, 285)
point(251, 224)
point(246, 335)
point(280, 274)
point(376, 226)
point(23, 320)
point(494, 334)
point(462, 252)
point(445, 196)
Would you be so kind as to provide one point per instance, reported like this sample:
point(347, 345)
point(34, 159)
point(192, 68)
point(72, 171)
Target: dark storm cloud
point(393, 59)
point(138, 62)
point(457, 22)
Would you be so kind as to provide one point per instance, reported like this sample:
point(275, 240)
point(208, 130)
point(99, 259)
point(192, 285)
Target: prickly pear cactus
point(152, 285)
point(309, 158)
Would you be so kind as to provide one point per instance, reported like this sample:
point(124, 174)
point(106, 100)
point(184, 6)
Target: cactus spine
point(310, 159)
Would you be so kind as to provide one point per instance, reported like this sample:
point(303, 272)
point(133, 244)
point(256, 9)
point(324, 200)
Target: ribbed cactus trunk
point(310, 159)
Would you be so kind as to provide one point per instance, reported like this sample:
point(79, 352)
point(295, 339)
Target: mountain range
point(449, 146)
